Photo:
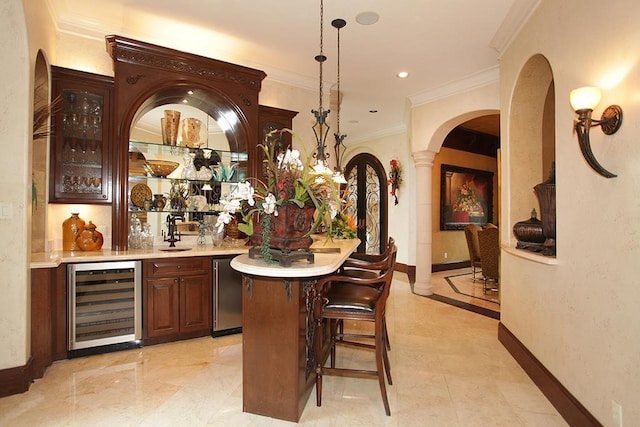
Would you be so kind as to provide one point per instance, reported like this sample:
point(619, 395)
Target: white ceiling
point(447, 46)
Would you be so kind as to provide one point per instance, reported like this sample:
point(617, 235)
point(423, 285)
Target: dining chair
point(471, 234)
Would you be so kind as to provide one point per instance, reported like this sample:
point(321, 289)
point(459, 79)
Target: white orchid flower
point(230, 206)
point(269, 205)
point(334, 209)
point(290, 159)
point(223, 218)
point(245, 192)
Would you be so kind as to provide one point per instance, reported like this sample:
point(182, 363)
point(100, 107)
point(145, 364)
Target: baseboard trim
point(568, 406)
point(16, 380)
point(409, 270)
point(450, 266)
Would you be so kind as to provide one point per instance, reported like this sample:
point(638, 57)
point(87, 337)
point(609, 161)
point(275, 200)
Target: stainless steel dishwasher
point(105, 306)
point(227, 298)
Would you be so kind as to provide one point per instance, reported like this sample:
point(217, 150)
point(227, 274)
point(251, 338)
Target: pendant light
point(321, 128)
point(339, 146)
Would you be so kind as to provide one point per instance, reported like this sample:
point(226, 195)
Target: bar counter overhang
point(278, 328)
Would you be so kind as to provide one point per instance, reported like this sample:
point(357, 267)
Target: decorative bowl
point(230, 242)
point(160, 168)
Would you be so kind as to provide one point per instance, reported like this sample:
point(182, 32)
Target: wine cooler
point(105, 304)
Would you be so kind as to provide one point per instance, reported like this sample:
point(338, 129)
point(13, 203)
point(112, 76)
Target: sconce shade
point(585, 98)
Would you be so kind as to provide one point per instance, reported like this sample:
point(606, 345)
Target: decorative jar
point(90, 239)
point(71, 229)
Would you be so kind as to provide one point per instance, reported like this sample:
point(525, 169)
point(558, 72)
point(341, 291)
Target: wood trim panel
point(409, 270)
point(568, 406)
point(16, 380)
point(450, 266)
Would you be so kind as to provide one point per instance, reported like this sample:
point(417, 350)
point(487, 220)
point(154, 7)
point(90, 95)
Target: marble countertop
point(55, 258)
point(324, 262)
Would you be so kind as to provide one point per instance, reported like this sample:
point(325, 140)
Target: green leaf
point(246, 227)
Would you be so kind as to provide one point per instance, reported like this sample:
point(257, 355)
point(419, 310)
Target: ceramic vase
point(71, 229)
point(90, 239)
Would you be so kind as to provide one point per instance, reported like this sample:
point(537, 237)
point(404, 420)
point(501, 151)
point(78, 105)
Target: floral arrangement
point(343, 225)
point(395, 179)
point(288, 180)
point(467, 201)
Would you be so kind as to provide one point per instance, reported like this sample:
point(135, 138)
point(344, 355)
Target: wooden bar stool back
point(354, 299)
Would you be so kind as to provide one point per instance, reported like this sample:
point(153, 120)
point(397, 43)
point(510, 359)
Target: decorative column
point(423, 161)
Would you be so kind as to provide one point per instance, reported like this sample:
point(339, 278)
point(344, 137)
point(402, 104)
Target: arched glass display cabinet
point(149, 79)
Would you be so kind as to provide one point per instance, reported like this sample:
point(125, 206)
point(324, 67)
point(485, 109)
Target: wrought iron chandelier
point(321, 128)
point(339, 146)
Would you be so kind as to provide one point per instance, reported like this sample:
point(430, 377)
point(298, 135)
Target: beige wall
point(579, 316)
point(17, 105)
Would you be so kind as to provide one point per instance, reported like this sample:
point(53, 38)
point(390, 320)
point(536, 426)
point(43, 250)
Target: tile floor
point(458, 285)
point(448, 369)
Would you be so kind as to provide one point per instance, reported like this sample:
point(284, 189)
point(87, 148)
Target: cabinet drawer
point(176, 266)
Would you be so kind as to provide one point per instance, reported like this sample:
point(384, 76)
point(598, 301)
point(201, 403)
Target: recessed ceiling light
point(189, 92)
point(367, 18)
point(402, 75)
point(373, 111)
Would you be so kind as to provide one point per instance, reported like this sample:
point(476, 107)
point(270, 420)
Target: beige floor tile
point(447, 364)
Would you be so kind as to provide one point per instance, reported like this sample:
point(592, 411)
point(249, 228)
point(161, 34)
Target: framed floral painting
point(466, 197)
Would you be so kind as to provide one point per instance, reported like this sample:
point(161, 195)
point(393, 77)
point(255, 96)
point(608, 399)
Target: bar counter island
point(278, 327)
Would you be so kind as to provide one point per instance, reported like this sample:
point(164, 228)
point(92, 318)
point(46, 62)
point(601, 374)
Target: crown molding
point(517, 16)
point(466, 84)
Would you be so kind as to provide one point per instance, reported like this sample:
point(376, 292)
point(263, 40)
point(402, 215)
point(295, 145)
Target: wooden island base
point(276, 378)
point(278, 330)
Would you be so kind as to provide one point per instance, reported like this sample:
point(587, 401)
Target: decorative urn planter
point(288, 229)
point(546, 193)
point(529, 233)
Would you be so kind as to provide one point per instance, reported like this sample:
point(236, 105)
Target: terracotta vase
point(288, 229)
point(90, 239)
point(71, 229)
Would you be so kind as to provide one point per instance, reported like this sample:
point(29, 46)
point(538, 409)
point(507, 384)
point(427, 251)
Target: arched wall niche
point(531, 137)
point(39, 159)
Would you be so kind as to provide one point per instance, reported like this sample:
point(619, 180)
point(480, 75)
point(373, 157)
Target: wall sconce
point(584, 100)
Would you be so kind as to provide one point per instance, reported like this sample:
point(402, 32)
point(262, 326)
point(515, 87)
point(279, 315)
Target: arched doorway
point(367, 201)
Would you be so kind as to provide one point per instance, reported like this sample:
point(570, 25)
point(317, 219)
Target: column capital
point(423, 158)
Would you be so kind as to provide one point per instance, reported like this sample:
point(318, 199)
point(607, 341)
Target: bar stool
point(355, 299)
point(368, 266)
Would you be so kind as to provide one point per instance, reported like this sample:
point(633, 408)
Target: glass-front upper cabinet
point(81, 141)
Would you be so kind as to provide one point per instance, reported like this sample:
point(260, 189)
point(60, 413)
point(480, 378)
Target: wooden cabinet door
point(162, 311)
point(81, 144)
point(195, 303)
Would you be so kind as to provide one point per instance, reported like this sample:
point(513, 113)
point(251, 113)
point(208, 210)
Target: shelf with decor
point(180, 185)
